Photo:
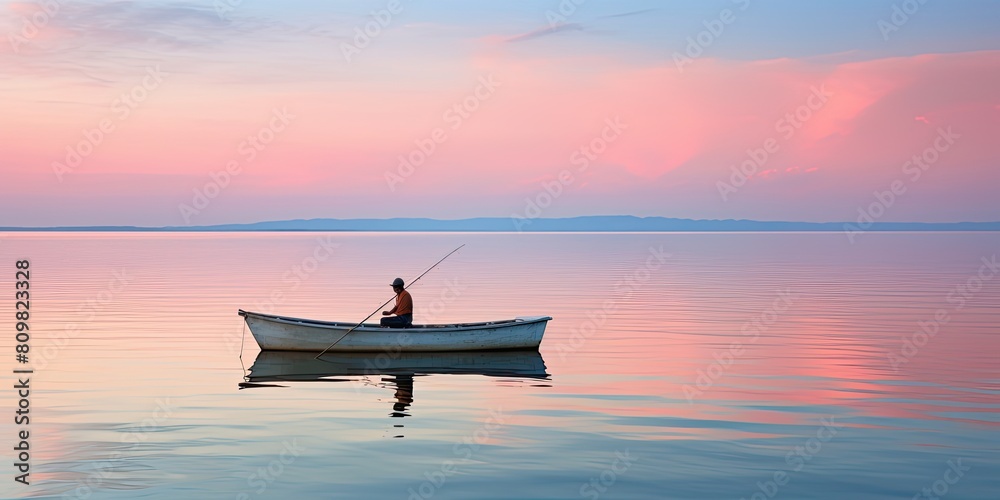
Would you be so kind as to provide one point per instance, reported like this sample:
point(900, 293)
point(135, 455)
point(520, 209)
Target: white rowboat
point(281, 333)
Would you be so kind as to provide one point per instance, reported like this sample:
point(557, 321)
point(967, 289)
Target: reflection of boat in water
point(290, 366)
point(397, 370)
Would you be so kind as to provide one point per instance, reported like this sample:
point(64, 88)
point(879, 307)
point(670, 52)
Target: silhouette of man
point(403, 309)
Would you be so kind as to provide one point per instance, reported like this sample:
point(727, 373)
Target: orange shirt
point(404, 303)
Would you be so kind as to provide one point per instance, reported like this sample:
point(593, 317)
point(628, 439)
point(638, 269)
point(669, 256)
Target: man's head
point(397, 285)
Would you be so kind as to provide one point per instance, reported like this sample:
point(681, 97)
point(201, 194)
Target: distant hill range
point(572, 224)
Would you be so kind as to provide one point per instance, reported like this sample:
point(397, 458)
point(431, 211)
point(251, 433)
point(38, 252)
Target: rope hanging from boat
point(243, 339)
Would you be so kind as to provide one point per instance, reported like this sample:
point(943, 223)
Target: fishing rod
point(390, 300)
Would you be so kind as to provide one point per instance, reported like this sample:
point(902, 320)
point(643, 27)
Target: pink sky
point(348, 122)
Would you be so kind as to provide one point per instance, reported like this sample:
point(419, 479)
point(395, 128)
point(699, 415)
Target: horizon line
point(248, 226)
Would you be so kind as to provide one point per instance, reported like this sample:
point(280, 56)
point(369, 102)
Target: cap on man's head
point(397, 282)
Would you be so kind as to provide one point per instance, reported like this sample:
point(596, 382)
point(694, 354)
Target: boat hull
point(280, 333)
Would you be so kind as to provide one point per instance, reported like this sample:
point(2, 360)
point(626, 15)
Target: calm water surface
point(677, 366)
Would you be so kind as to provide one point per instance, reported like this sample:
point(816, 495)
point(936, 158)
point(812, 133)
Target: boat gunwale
point(446, 328)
